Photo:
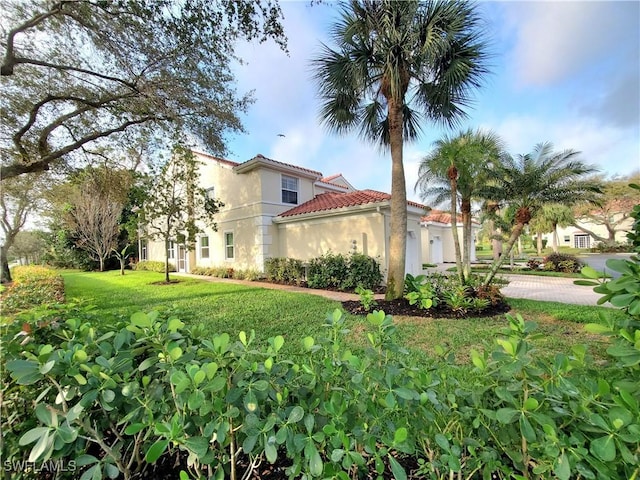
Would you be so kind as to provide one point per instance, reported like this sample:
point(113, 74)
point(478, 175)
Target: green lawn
point(226, 307)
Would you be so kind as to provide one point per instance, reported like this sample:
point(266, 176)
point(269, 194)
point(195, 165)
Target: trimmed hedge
point(153, 266)
point(32, 286)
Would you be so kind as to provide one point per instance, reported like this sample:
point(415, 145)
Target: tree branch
point(14, 169)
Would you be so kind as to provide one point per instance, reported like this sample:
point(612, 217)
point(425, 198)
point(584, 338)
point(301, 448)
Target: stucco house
point(274, 209)
point(579, 235)
point(437, 237)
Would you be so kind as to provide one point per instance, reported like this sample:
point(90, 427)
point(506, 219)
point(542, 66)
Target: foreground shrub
point(32, 286)
point(562, 262)
point(151, 393)
point(153, 266)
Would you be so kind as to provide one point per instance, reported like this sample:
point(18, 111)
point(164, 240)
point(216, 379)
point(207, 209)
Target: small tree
point(614, 211)
point(95, 208)
point(176, 205)
point(20, 198)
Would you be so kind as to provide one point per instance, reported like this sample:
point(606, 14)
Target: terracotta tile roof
point(441, 216)
point(332, 201)
point(218, 159)
point(324, 180)
point(330, 177)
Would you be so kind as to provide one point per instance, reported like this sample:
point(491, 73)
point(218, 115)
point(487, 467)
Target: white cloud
point(555, 40)
point(612, 150)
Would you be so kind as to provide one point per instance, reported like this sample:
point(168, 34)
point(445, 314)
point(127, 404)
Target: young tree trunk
point(398, 241)
point(101, 263)
point(166, 260)
point(495, 266)
point(5, 273)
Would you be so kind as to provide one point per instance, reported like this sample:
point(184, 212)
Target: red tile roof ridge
point(330, 177)
point(213, 157)
point(262, 157)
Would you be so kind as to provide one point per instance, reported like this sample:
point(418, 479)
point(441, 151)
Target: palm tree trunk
point(495, 266)
point(398, 240)
point(466, 237)
point(454, 226)
point(539, 244)
point(554, 238)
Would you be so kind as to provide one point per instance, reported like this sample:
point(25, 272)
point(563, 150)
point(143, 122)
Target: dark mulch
point(401, 307)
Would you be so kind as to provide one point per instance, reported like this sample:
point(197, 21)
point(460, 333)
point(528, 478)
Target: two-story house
point(274, 209)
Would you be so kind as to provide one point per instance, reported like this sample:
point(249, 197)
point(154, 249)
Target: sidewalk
point(549, 289)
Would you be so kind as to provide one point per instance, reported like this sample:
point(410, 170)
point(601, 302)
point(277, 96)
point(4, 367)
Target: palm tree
point(528, 182)
point(452, 173)
point(550, 217)
point(397, 62)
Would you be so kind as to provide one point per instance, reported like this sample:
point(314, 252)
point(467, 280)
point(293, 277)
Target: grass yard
point(226, 307)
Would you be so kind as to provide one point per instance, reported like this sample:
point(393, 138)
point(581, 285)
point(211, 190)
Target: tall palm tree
point(452, 173)
point(528, 182)
point(396, 62)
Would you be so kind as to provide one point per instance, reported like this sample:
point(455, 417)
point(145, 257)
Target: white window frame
point(210, 192)
point(286, 185)
point(172, 250)
point(143, 249)
point(204, 248)
point(228, 246)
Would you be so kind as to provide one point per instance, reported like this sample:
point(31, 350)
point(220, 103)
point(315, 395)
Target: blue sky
point(563, 72)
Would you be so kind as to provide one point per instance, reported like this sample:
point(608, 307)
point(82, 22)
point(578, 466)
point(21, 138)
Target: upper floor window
point(289, 190)
point(210, 192)
point(204, 247)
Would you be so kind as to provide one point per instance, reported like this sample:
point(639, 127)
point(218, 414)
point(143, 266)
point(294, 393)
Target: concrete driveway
point(599, 260)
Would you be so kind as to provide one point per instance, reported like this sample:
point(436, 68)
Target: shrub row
point(153, 266)
point(227, 272)
point(112, 400)
point(330, 271)
point(284, 270)
point(32, 285)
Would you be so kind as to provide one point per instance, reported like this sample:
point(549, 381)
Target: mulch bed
point(401, 307)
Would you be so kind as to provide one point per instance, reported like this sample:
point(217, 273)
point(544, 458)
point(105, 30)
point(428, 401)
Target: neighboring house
point(273, 209)
point(437, 237)
point(575, 237)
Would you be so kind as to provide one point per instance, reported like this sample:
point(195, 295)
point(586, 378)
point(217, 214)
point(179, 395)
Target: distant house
point(273, 209)
point(580, 235)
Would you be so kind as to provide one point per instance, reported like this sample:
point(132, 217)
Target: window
point(210, 192)
point(228, 246)
point(204, 247)
point(567, 239)
point(143, 250)
point(289, 190)
point(172, 249)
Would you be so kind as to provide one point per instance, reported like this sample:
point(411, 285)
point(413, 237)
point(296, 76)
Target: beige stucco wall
point(444, 232)
point(306, 239)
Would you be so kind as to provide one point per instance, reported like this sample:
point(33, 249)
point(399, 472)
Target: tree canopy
point(75, 73)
